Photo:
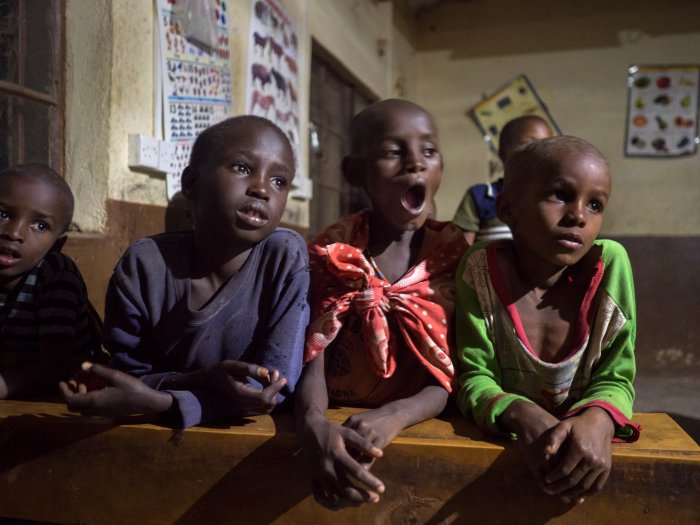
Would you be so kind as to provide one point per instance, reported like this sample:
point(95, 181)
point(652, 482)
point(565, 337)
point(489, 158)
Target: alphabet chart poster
point(662, 111)
point(196, 78)
point(272, 85)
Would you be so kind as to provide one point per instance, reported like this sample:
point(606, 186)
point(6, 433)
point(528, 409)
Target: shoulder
point(158, 247)
point(285, 248)
point(285, 240)
point(618, 280)
point(55, 262)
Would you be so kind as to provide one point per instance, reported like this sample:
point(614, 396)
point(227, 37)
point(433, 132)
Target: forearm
point(426, 404)
point(526, 420)
point(311, 394)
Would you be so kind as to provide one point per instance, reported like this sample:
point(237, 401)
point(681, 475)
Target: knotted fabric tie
point(344, 283)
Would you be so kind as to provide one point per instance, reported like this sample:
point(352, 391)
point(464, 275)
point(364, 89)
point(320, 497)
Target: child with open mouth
point(382, 299)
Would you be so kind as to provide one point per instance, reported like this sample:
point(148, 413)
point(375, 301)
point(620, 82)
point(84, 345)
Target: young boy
point(546, 322)
point(476, 214)
point(382, 298)
point(44, 309)
point(210, 321)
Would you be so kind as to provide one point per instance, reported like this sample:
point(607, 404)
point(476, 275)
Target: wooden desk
point(58, 467)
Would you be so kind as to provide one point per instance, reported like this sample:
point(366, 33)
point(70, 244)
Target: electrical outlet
point(144, 152)
point(167, 157)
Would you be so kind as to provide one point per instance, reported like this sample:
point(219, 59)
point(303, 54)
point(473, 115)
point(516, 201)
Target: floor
point(678, 396)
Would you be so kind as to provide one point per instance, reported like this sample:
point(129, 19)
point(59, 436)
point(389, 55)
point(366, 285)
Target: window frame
point(55, 101)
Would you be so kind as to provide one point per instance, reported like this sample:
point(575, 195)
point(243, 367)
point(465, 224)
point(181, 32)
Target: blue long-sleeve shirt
point(258, 316)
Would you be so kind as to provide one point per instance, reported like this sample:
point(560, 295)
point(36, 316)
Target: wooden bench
point(61, 468)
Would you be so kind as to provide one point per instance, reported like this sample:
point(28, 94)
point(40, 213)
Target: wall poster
point(195, 77)
point(515, 99)
point(662, 111)
point(273, 84)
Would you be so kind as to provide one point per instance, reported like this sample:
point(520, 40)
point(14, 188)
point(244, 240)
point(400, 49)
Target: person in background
point(476, 214)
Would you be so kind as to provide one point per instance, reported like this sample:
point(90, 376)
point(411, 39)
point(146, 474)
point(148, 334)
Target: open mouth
point(414, 198)
point(8, 256)
point(254, 215)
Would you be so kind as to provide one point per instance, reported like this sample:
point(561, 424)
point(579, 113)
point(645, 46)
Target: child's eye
point(4, 215)
point(391, 153)
point(241, 167)
point(280, 183)
point(596, 207)
point(558, 195)
point(429, 152)
point(40, 226)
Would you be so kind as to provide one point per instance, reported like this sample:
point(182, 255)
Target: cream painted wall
point(577, 56)
point(111, 86)
point(88, 91)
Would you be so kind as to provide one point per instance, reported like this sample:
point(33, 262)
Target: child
point(546, 322)
point(382, 298)
point(211, 321)
point(476, 214)
point(44, 308)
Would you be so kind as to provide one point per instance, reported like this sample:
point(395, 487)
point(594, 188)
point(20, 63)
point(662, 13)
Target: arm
point(337, 478)
point(467, 217)
point(381, 425)
point(481, 393)
point(610, 386)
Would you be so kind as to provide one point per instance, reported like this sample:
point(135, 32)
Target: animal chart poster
point(662, 111)
point(515, 99)
point(273, 82)
point(196, 80)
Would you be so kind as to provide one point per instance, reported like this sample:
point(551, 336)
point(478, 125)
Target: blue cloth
point(259, 316)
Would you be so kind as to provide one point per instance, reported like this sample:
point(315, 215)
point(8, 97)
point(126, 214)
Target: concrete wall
point(576, 54)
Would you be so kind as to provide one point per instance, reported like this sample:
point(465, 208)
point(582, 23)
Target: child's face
point(559, 212)
point(32, 218)
point(241, 198)
point(403, 168)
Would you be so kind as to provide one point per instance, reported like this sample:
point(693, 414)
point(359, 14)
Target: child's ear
point(503, 208)
point(59, 243)
point(188, 183)
point(352, 171)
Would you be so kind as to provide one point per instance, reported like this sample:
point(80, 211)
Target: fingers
point(555, 438)
point(241, 369)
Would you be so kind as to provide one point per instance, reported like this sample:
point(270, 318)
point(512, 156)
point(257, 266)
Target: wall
point(576, 54)
point(111, 93)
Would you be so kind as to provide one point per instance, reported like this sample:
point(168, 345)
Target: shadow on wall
point(482, 28)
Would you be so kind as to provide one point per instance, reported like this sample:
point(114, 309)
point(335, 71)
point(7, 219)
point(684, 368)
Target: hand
point(379, 426)
point(123, 394)
point(229, 379)
point(339, 480)
point(530, 423)
point(581, 452)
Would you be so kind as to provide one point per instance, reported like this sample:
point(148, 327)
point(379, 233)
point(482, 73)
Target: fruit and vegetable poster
point(273, 82)
point(515, 99)
point(662, 113)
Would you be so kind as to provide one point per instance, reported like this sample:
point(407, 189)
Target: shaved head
point(369, 122)
point(540, 156)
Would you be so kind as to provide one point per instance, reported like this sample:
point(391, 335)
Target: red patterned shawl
point(343, 282)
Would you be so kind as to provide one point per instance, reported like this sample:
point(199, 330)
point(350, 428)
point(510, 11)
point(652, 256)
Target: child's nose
point(576, 213)
point(414, 160)
point(258, 188)
point(13, 230)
